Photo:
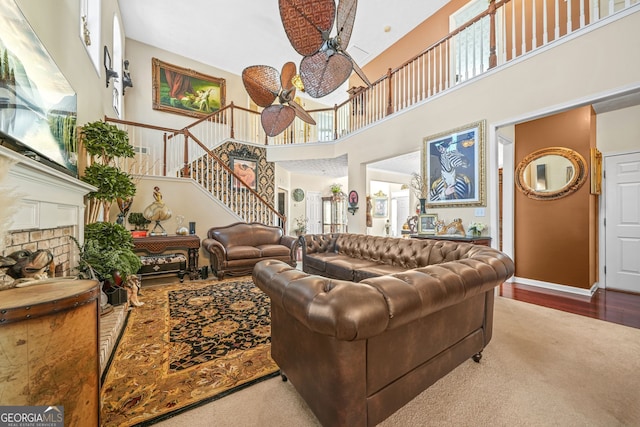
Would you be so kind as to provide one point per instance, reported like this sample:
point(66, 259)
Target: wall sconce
point(126, 77)
point(353, 202)
point(110, 74)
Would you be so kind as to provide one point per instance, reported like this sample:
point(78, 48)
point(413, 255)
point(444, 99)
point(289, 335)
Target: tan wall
point(553, 238)
point(62, 41)
point(138, 100)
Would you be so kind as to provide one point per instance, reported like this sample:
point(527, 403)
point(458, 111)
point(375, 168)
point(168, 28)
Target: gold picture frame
point(457, 155)
point(427, 224)
point(596, 171)
point(183, 91)
point(380, 205)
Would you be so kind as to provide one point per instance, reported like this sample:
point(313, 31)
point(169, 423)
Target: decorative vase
point(423, 206)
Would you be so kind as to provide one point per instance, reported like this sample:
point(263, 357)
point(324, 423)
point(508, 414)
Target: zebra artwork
point(451, 184)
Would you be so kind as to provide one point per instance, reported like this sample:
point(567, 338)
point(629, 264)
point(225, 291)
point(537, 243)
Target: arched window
point(90, 12)
point(117, 66)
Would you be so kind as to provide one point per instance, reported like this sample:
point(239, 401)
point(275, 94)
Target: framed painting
point(246, 169)
point(427, 223)
point(380, 205)
point(184, 91)
point(454, 164)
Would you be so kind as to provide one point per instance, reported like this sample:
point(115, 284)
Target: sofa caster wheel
point(476, 357)
point(284, 378)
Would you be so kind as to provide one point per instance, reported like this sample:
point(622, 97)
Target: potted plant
point(336, 188)
point(104, 142)
point(139, 222)
point(107, 255)
point(301, 226)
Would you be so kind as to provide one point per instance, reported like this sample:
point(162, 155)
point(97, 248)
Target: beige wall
point(63, 43)
point(138, 101)
point(619, 130)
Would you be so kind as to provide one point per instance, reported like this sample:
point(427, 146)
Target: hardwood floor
point(612, 306)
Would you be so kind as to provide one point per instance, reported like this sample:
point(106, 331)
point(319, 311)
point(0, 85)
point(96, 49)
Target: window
point(117, 67)
point(90, 30)
point(470, 49)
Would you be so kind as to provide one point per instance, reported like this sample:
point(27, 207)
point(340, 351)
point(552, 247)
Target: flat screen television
point(38, 106)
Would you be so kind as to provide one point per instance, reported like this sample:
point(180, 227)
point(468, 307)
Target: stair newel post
point(232, 123)
point(335, 121)
point(389, 92)
point(185, 169)
point(164, 154)
point(493, 58)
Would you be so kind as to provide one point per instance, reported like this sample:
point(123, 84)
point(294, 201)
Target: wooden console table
point(154, 245)
point(482, 240)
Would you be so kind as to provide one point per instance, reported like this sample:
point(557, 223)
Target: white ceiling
point(232, 35)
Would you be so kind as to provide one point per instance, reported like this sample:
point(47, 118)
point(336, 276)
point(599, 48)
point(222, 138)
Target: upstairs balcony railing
point(504, 31)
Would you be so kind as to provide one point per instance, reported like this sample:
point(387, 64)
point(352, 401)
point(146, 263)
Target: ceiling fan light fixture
point(297, 82)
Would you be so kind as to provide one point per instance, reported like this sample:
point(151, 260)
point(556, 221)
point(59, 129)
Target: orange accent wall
point(556, 241)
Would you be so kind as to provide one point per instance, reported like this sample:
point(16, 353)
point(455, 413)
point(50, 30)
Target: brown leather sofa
point(357, 352)
point(236, 248)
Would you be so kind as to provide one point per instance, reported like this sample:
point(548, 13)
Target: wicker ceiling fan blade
point(262, 83)
point(276, 119)
point(302, 113)
point(358, 70)
point(346, 15)
point(286, 77)
point(307, 23)
point(322, 74)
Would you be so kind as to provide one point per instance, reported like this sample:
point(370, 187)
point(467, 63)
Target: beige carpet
point(542, 368)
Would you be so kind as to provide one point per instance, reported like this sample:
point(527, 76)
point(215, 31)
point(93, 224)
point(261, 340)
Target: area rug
point(188, 344)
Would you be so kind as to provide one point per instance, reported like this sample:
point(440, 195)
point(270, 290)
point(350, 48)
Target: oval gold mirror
point(551, 173)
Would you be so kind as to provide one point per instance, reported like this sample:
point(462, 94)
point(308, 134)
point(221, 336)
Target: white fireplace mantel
point(47, 198)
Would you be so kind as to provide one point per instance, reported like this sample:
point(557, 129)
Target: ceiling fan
point(308, 24)
point(264, 84)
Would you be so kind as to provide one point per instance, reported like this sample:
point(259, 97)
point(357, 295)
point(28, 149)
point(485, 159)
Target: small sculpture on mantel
point(157, 211)
point(455, 228)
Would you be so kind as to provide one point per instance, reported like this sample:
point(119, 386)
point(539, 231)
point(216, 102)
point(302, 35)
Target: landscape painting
point(37, 103)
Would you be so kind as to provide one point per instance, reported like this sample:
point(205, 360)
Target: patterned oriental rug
point(188, 344)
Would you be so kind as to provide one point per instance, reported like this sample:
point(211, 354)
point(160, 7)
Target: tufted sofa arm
point(353, 311)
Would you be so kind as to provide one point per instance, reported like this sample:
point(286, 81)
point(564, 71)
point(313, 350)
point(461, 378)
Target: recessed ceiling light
point(387, 28)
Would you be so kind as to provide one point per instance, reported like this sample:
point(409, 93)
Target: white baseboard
point(556, 287)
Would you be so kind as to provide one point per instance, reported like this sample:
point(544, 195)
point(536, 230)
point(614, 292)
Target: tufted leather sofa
point(357, 351)
point(235, 249)
point(355, 257)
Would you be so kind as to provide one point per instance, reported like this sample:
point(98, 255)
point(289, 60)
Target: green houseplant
point(138, 220)
point(107, 252)
point(104, 142)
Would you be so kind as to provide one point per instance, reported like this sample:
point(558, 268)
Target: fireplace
point(49, 211)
